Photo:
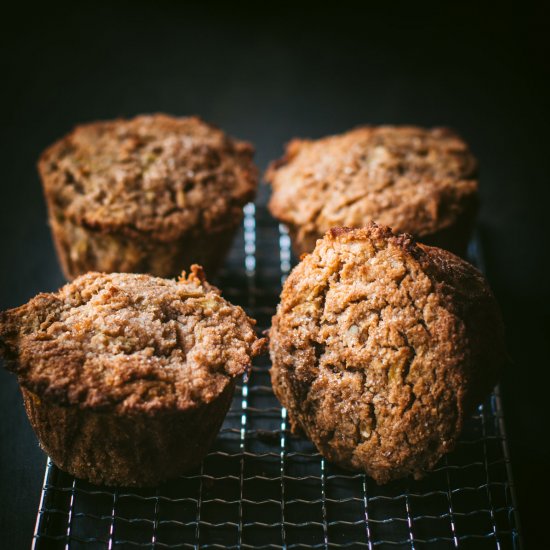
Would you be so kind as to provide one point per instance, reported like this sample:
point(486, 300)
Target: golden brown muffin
point(417, 181)
point(153, 194)
point(381, 347)
point(127, 378)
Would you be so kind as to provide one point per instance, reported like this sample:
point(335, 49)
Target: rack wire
point(262, 487)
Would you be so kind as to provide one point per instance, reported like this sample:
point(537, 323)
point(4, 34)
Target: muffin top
point(416, 180)
point(127, 342)
point(154, 175)
point(380, 347)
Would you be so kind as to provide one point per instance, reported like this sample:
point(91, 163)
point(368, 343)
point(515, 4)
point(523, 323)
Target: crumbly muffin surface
point(415, 180)
point(154, 174)
point(380, 347)
point(128, 342)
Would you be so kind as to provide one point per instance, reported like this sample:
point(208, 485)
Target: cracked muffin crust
point(418, 181)
point(381, 347)
point(127, 378)
point(152, 194)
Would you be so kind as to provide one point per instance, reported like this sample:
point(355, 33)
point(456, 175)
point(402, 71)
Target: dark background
point(266, 74)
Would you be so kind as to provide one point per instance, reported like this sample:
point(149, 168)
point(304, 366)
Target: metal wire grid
point(261, 487)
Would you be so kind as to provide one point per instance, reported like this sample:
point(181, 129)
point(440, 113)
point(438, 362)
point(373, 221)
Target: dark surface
point(267, 76)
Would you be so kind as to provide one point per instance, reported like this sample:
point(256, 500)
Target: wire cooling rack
point(261, 487)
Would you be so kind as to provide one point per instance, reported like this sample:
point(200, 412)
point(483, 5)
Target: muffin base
point(140, 450)
point(81, 249)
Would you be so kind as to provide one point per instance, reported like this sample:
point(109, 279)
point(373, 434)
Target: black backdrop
point(268, 73)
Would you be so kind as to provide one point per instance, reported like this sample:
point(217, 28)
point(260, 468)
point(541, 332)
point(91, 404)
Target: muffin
point(127, 378)
point(381, 347)
point(417, 181)
point(153, 194)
